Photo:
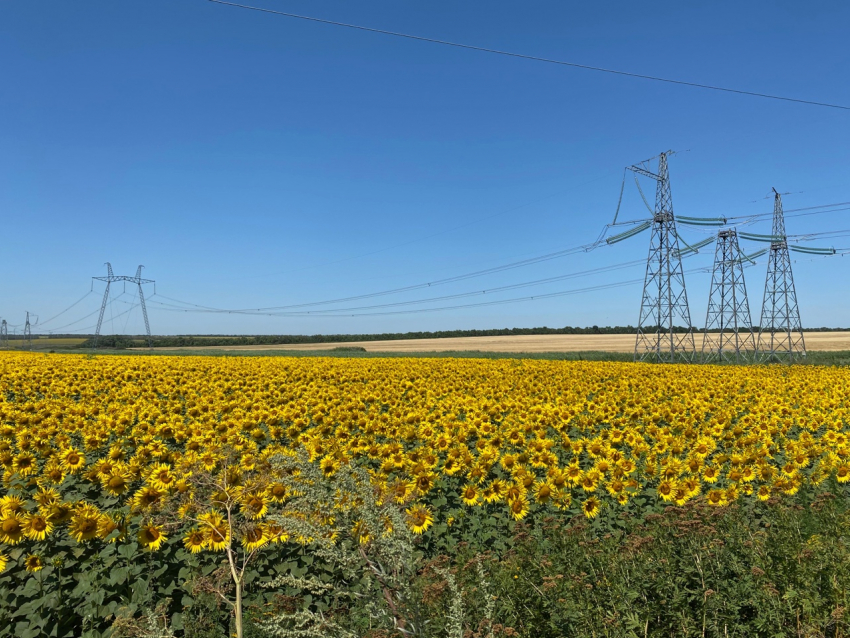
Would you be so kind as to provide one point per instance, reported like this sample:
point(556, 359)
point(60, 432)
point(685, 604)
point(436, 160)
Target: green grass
point(836, 358)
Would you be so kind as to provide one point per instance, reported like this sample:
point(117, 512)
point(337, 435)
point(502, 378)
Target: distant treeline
point(121, 341)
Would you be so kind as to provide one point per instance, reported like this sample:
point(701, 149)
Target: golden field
point(820, 341)
point(91, 447)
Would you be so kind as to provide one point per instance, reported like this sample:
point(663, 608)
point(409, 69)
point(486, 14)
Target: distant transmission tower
point(780, 331)
point(4, 335)
point(110, 279)
point(728, 308)
point(664, 300)
point(27, 333)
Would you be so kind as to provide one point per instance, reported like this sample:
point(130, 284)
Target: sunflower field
point(101, 509)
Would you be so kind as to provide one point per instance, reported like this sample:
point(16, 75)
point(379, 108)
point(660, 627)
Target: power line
point(436, 282)
point(532, 57)
point(473, 222)
point(494, 290)
point(66, 309)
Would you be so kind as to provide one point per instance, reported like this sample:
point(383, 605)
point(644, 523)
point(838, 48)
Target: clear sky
point(252, 160)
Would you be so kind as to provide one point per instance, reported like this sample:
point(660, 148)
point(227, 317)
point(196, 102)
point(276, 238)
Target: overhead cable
point(533, 57)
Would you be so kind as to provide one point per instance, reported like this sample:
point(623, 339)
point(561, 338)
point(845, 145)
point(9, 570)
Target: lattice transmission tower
point(28, 333)
point(728, 308)
point(112, 278)
point(4, 335)
point(665, 300)
point(780, 329)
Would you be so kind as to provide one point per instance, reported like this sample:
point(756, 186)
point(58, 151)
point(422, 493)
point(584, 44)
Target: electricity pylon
point(728, 308)
point(4, 335)
point(110, 279)
point(27, 333)
point(780, 330)
point(664, 300)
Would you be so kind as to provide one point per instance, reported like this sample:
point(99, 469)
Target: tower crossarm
point(642, 171)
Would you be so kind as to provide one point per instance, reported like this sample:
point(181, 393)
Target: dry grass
point(821, 341)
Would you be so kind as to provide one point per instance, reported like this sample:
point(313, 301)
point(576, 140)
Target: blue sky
point(251, 160)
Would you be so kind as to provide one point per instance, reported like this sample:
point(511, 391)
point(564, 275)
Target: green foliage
point(776, 569)
point(779, 568)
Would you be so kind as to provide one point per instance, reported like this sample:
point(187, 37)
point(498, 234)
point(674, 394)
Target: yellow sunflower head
point(84, 523)
point(146, 498)
point(254, 505)
point(194, 540)
point(420, 518)
point(11, 529)
point(37, 527)
point(518, 507)
point(116, 482)
point(72, 460)
point(215, 529)
point(33, 563)
point(25, 464)
point(151, 537)
point(11, 504)
point(254, 538)
point(590, 507)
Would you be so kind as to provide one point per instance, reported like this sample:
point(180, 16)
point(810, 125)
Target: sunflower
point(717, 497)
point(72, 460)
point(254, 505)
point(254, 538)
point(763, 493)
point(470, 495)
point(146, 497)
point(667, 489)
point(513, 491)
point(208, 461)
point(216, 530)
point(590, 507)
point(11, 529)
point(45, 497)
point(11, 504)
point(563, 499)
point(117, 481)
point(519, 507)
point(4, 561)
point(842, 474)
point(424, 482)
point(420, 518)
point(37, 527)
point(84, 523)
point(33, 563)
point(194, 540)
point(161, 477)
point(52, 474)
point(329, 465)
point(151, 537)
point(543, 492)
point(590, 481)
point(277, 492)
point(275, 533)
point(360, 532)
point(107, 524)
point(710, 474)
point(58, 512)
point(117, 453)
point(25, 464)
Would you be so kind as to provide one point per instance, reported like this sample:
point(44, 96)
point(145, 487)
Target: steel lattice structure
point(4, 334)
point(728, 308)
point(112, 278)
point(28, 333)
point(664, 300)
point(780, 329)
